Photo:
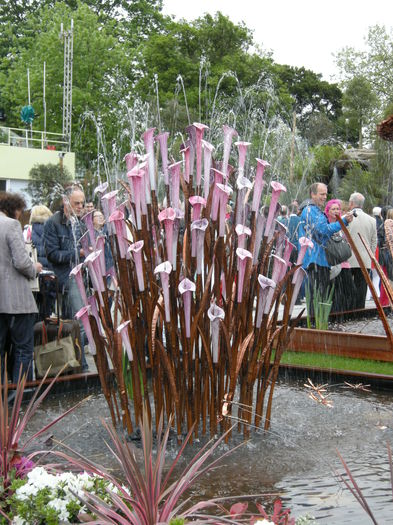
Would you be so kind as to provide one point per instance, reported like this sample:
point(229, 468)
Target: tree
point(100, 74)
point(47, 182)
point(131, 67)
point(375, 63)
point(365, 182)
point(318, 129)
point(324, 157)
point(136, 20)
point(311, 94)
point(206, 52)
point(359, 103)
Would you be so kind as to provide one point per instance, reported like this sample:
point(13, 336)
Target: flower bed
point(42, 497)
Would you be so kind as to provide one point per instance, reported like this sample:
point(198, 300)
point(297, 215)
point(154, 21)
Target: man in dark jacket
point(62, 232)
point(315, 225)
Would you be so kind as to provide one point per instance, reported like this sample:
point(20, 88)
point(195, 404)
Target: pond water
point(296, 458)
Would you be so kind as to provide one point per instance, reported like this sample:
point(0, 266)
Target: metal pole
point(292, 159)
point(29, 101)
point(28, 86)
point(64, 80)
point(44, 105)
point(70, 84)
point(67, 84)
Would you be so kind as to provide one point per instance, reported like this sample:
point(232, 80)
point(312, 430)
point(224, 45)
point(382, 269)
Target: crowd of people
point(317, 220)
point(56, 238)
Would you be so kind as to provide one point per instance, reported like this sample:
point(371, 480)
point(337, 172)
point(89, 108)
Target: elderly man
point(62, 232)
point(315, 225)
point(367, 227)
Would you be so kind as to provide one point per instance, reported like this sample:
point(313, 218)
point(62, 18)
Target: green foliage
point(321, 307)
point(100, 67)
point(359, 103)
point(374, 65)
point(46, 498)
point(366, 182)
point(46, 183)
point(318, 128)
point(322, 360)
point(124, 50)
point(311, 94)
point(36, 509)
point(381, 173)
point(177, 521)
point(220, 44)
point(13, 463)
point(323, 159)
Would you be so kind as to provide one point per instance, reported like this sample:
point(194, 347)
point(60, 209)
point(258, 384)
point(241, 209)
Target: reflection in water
point(297, 458)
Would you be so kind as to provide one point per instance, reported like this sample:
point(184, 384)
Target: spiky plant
point(150, 493)
point(14, 459)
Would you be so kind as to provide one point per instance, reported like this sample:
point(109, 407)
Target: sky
point(298, 32)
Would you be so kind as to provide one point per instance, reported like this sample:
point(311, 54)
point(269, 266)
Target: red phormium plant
point(14, 459)
point(150, 493)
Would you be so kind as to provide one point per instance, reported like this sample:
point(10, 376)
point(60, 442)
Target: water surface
point(296, 458)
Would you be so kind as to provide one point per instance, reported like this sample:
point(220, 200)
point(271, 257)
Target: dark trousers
point(318, 281)
point(344, 291)
point(360, 288)
point(20, 330)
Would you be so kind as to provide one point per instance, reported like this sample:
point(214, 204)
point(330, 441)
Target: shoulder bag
point(337, 249)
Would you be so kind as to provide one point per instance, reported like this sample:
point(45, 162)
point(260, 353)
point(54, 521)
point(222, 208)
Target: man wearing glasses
point(62, 232)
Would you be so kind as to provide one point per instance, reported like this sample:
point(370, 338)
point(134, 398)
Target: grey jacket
point(16, 269)
point(367, 227)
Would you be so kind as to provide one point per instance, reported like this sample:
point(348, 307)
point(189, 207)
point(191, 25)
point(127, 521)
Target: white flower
point(60, 506)
point(263, 522)
point(59, 487)
point(18, 521)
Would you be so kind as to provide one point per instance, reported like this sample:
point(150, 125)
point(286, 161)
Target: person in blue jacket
point(315, 226)
point(293, 230)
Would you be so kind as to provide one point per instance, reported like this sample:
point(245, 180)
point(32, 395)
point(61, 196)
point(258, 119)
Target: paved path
point(299, 307)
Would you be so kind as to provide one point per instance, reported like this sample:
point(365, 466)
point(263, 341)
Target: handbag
point(32, 253)
point(57, 354)
point(337, 249)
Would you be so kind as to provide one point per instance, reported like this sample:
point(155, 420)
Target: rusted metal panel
point(345, 344)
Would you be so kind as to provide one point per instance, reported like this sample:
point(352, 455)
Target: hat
point(377, 211)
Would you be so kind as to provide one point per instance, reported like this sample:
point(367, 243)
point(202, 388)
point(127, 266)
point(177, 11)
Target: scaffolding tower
point(68, 37)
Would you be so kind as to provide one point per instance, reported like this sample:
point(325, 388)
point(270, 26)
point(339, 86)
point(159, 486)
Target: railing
point(27, 138)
